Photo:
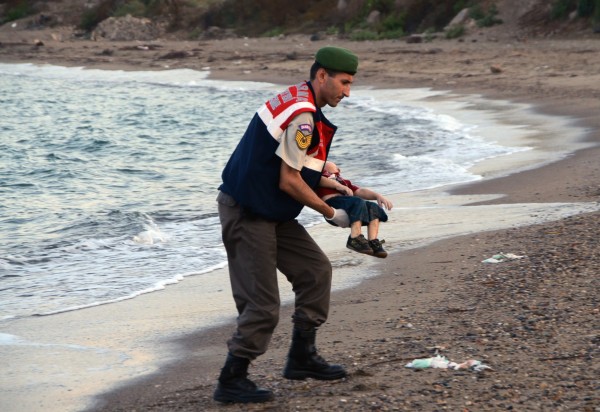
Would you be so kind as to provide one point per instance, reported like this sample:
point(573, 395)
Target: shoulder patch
point(304, 136)
point(305, 127)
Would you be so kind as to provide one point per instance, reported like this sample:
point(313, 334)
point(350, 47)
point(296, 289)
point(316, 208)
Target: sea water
point(108, 179)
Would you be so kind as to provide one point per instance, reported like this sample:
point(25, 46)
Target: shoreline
point(496, 123)
point(356, 327)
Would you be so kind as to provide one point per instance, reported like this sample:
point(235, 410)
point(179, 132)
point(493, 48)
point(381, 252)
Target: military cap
point(337, 59)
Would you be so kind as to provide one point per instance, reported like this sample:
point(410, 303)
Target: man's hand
point(340, 218)
point(292, 183)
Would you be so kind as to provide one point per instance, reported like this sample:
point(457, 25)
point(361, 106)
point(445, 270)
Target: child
point(340, 193)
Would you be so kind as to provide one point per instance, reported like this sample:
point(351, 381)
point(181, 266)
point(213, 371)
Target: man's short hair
point(316, 66)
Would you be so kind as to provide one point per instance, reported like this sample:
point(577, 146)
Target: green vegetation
point(274, 32)
point(562, 8)
point(266, 17)
point(392, 26)
point(463, 4)
point(155, 9)
point(455, 31)
point(484, 18)
point(95, 15)
point(429, 34)
point(363, 35)
point(332, 31)
point(596, 15)
point(195, 34)
point(589, 8)
point(584, 8)
point(135, 8)
point(383, 6)
point(16, 10)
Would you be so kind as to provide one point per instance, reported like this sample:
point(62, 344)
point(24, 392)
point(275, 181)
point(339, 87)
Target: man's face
point(332, 89)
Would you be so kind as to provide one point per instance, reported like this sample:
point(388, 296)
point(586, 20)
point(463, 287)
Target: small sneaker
point(377, 249)
point(359, 244)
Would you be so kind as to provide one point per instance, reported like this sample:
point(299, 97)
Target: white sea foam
point(176, 77)
point(7, 339)
point(156, 287)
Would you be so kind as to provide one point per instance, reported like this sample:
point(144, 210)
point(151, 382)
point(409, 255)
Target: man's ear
point(321, 74)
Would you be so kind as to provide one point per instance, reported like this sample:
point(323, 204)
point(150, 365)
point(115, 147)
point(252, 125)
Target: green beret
point(337, 59)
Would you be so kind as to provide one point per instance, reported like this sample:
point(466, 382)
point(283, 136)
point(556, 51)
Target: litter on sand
point(502, 257)
point(441, 362)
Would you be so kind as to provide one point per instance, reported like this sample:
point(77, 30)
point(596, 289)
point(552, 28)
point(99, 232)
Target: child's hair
point(330, 167)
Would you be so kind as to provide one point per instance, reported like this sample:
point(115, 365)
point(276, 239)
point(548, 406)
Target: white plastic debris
point(502, 257)
point(471, 364)
point(437, 361)
point(441, 362)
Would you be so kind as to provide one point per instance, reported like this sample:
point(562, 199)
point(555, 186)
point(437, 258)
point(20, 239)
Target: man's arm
point(292, 183)
point(292, 151)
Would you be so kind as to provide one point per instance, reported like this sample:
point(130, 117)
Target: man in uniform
point(268, 179)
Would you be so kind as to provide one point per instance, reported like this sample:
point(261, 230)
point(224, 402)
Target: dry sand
point(533, 320)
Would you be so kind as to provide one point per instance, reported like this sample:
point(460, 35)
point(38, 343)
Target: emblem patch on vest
point(304, 136)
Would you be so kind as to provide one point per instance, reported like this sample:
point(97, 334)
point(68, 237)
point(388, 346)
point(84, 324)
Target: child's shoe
point(377, 249)
point(359, 244)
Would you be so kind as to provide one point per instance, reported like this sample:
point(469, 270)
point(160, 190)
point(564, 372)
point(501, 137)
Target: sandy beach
point(533, 320)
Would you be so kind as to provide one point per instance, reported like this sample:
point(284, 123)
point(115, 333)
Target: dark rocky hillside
point(351, 19)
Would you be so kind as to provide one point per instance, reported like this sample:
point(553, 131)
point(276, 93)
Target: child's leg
point(374, 243)
point(373, 229)
point(356, 241)
point(355, 228)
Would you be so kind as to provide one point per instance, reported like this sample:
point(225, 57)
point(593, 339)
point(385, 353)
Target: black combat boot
point(304, 361)
point(234, 385)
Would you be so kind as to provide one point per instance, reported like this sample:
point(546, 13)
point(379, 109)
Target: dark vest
point(251, 175)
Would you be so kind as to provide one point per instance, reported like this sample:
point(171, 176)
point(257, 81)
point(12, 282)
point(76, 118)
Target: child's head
point(331, 167)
